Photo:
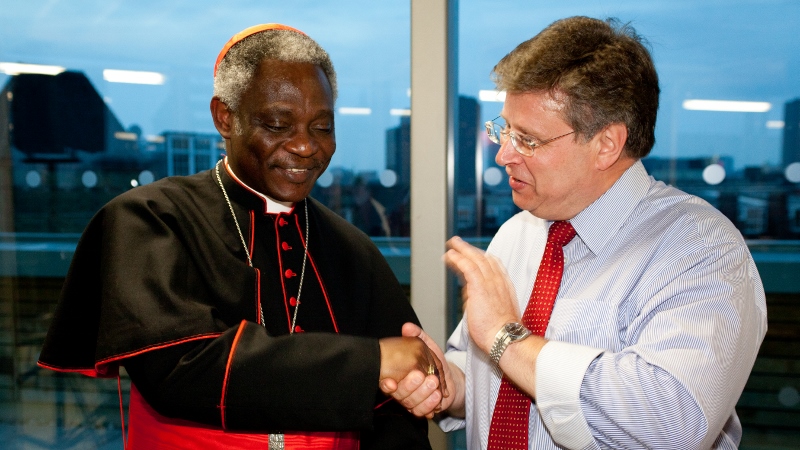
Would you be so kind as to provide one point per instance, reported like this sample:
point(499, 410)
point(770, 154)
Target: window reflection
point(728, 131)
point(117, 97)
point(64, 165)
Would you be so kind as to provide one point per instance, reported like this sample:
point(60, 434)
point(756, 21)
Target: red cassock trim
point(228, 370)
point(319, 279)
point(107, 367)
point(149, 430)
point(252, 234)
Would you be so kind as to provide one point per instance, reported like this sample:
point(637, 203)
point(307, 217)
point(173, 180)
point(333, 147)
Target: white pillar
point(433, 102)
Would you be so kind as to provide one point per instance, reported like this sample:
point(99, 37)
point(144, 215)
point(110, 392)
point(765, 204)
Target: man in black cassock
point(247, 314)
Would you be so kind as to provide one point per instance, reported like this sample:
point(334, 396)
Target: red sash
point(149, 430)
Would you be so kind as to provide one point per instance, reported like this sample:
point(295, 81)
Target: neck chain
point(250, 261)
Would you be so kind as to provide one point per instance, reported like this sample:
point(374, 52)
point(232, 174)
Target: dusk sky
point(717, 50)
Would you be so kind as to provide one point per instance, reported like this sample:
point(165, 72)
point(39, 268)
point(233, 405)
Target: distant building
point(791, 132)
point(466, 180)
point(398, 151)
point(189, 153)
point(468, 167)
point(64, 154)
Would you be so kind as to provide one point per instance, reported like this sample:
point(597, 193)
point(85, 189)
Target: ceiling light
point(133, 77)
point(726, 106)
point(355, 111)
point(492, 96)
point(16, 68)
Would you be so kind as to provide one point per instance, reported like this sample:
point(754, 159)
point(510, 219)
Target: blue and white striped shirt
point(654, 332)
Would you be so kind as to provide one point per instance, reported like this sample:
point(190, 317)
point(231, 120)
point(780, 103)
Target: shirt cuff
point(447, 424)
point(560, 368)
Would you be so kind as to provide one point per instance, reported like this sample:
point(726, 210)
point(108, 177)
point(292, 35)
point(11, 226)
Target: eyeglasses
point(524, 145)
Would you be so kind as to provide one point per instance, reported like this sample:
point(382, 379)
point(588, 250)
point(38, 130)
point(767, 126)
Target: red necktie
point(509, 429)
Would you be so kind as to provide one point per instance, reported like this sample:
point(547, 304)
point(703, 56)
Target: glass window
point(728, 131)
point(728, 121)
point(97, 98)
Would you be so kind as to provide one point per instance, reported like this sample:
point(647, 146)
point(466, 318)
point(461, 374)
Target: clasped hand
point(406, 374)
point(489, 303)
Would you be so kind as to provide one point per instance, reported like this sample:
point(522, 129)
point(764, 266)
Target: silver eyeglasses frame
point(524, 145)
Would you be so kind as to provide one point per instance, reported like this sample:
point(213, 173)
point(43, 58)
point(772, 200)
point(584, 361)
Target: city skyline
point(699, 50)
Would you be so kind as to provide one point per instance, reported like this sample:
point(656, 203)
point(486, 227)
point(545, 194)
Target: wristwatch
point(510, 333)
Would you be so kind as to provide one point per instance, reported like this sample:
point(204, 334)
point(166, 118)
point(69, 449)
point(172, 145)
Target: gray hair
point(239, 64)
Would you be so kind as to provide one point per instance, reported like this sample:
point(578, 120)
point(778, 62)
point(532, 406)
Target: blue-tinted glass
point(73, 139)
point(743, 158)
point(741, 162)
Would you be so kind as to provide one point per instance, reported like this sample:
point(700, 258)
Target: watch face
point(516, 330)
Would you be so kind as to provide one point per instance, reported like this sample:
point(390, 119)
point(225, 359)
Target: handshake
point(415, 373)
point(413, 369)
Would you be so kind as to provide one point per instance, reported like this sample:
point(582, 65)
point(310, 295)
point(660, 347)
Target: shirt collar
point(271, 206)
point(598, 223)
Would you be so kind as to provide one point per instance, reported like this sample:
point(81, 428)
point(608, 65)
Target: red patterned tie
point(509, 429)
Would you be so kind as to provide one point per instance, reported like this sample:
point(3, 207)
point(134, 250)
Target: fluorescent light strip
point(133, 77)
point(400, 112)
point(16, 68)
point(355, 111)
point(775, 124)
point(125, 136)
point(492, 96)
point(726, 106)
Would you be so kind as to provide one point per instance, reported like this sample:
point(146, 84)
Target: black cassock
point(160, 284)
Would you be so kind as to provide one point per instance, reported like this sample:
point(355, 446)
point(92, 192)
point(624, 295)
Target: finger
point(428, 406)
point(468, 250)
point(477, 257)
point(417, 400)
point(440, 373)
point(465, 268)
point(388, 386)
point(408, 386)
point(437, 371)
point(468, 261)
point(410, 329)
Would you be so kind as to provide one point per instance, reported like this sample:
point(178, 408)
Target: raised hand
point(488, 295)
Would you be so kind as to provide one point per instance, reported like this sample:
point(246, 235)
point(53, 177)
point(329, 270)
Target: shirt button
point(293, 301)
point(289, 273)
point(285, 246)
point(282, 221)
point(297, 329)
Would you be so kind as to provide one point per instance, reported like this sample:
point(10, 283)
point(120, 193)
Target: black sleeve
point(309, 381)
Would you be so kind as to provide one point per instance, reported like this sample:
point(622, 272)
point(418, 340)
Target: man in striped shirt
point(660, 310)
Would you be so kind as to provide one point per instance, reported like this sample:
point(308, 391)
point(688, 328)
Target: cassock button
point(285, 246)
point(289, 273)
point(293, 301)
point(297, 329)
point(282, 221)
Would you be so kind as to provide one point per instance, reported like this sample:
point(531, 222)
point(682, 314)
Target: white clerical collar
point(273, 206)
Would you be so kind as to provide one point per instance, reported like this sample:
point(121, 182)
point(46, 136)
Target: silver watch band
point(509, 333)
